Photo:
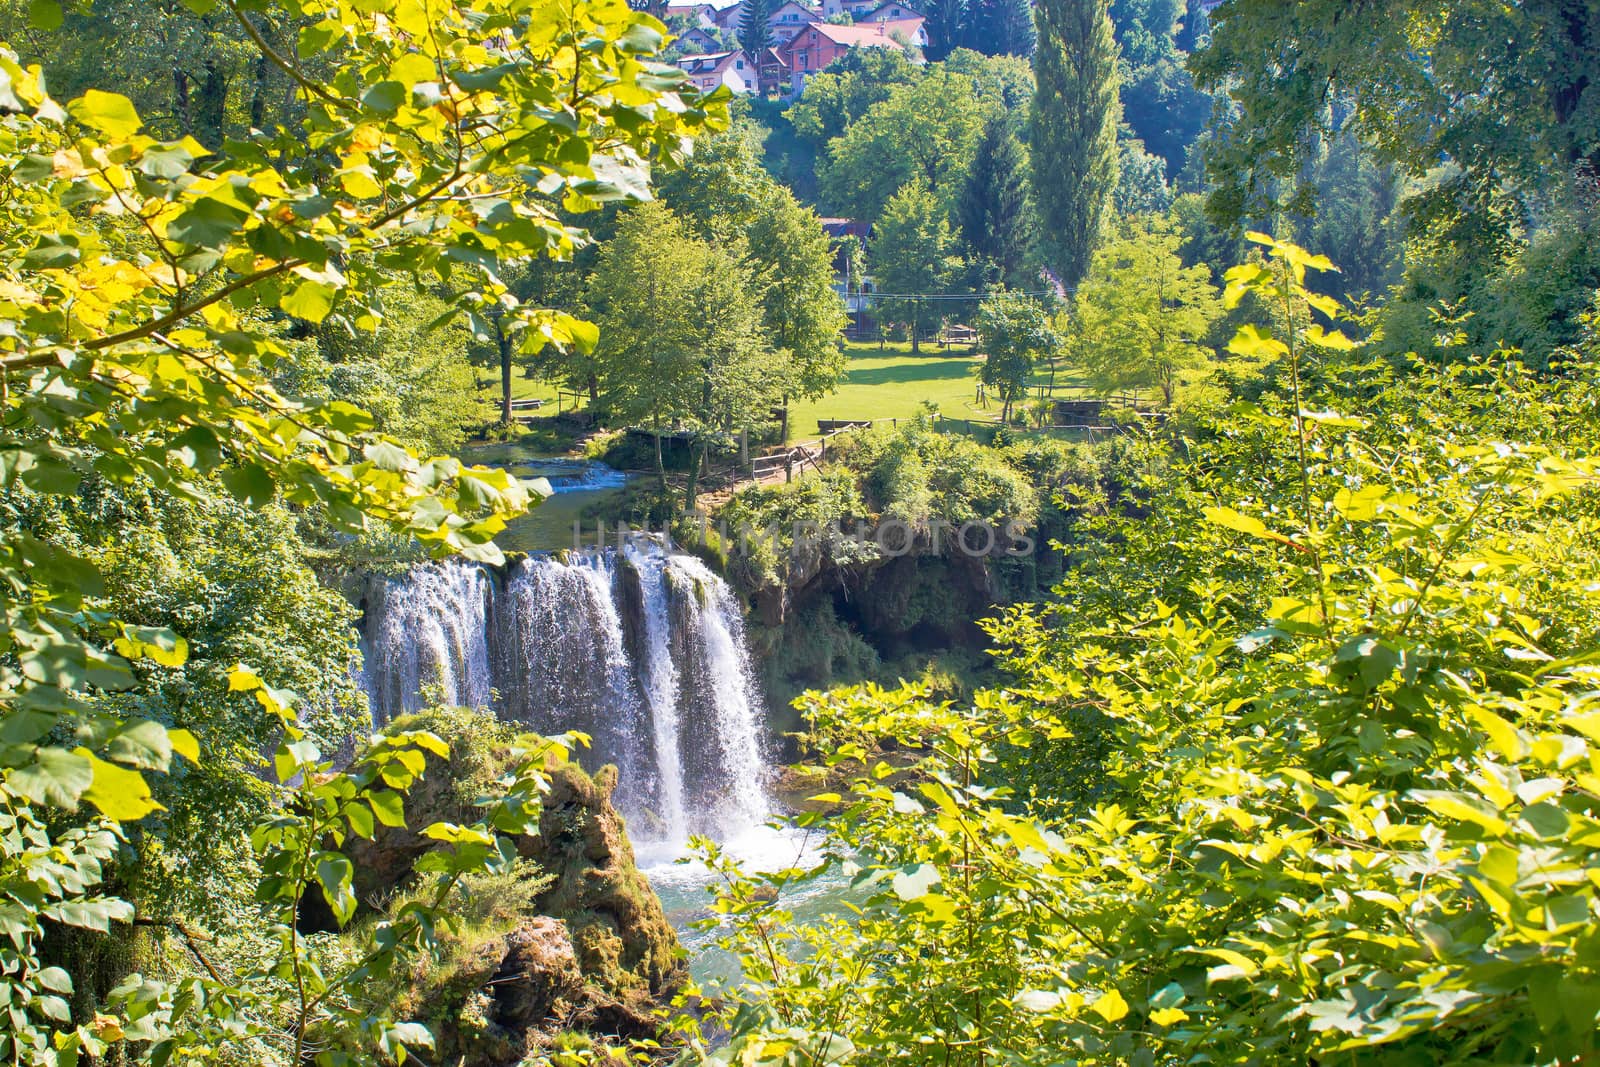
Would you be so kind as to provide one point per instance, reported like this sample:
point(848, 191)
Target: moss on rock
point(575, 940)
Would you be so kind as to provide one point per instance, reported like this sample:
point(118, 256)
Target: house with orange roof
point(819, 44)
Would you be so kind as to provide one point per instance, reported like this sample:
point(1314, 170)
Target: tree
point(836, 98)
point(729, 199)
point(946, 27)
point(1246, 782)
point(911, 254)
point(411, 372)
point(1408, 79)
point(1013, 333)
point(1075, 116)
point(152, 289)
point(681, 342)
point(1163, 107)
point(1001, 27)
point(1141, 180)
point(1005, 82)
point(723, 189)
point(1140, 315)
point(1196, 28)
point(994, 211)
point(924, 132)
point(186, 74)
point(801, 313)
point(755, 31)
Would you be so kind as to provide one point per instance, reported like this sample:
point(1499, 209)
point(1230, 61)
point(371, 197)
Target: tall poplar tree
point(1075, 118)
point(993, 210)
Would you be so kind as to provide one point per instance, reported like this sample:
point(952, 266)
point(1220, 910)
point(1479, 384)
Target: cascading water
point(642, 649)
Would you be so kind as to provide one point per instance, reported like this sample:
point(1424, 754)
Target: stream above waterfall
point(579, 485)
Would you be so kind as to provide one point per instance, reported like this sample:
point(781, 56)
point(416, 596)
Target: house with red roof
point(773, 70)
point(819, 44)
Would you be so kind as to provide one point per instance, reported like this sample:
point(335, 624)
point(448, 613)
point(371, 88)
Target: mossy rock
point(594, 950)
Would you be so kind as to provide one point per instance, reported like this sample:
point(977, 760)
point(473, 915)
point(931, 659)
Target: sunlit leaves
point(147, 292)
point(1284, 810)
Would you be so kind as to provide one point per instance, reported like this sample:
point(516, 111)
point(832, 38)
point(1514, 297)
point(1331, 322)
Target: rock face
point(588, 949)
point(621, 935)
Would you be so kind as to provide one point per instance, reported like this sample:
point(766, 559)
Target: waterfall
point(643, 649)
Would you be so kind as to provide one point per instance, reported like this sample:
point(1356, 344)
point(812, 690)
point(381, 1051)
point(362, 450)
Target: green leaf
point(388, 807)
point(206, 223)
point(310, 300)
point(1110, 1006)
point(384, 97)
point(249, 484)
point(185, 745)
point(336, 876)
point(143, 744)
point(1232, 520)
point(1253, 343)
point(52, 252)
point(166, 161)
point(359, 816)
point(1038, 1000)
point(111, 114)
point(293, 757)
point(157, 643)
point(119, 793)
point(55, 777)
point(1463, 808)
point(388, 456)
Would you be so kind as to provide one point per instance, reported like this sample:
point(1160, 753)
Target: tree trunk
point(505, 378)
point(258, 98)
point(212, 120)
point(661, 467)
point(783, 423)
point(180, 101)
point(697, 457)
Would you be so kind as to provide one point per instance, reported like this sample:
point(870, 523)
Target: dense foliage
point(1304, 768)
point(153, 291)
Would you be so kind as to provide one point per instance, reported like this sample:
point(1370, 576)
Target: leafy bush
point(1331, 793)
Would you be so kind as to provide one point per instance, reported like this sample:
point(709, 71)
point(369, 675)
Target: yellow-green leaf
point(1110, 1007)
point(111, 114)
point(119, 793)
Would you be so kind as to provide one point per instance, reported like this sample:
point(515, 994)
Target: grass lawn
point(893, 384)
point(522, 388)
point(887, 384)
